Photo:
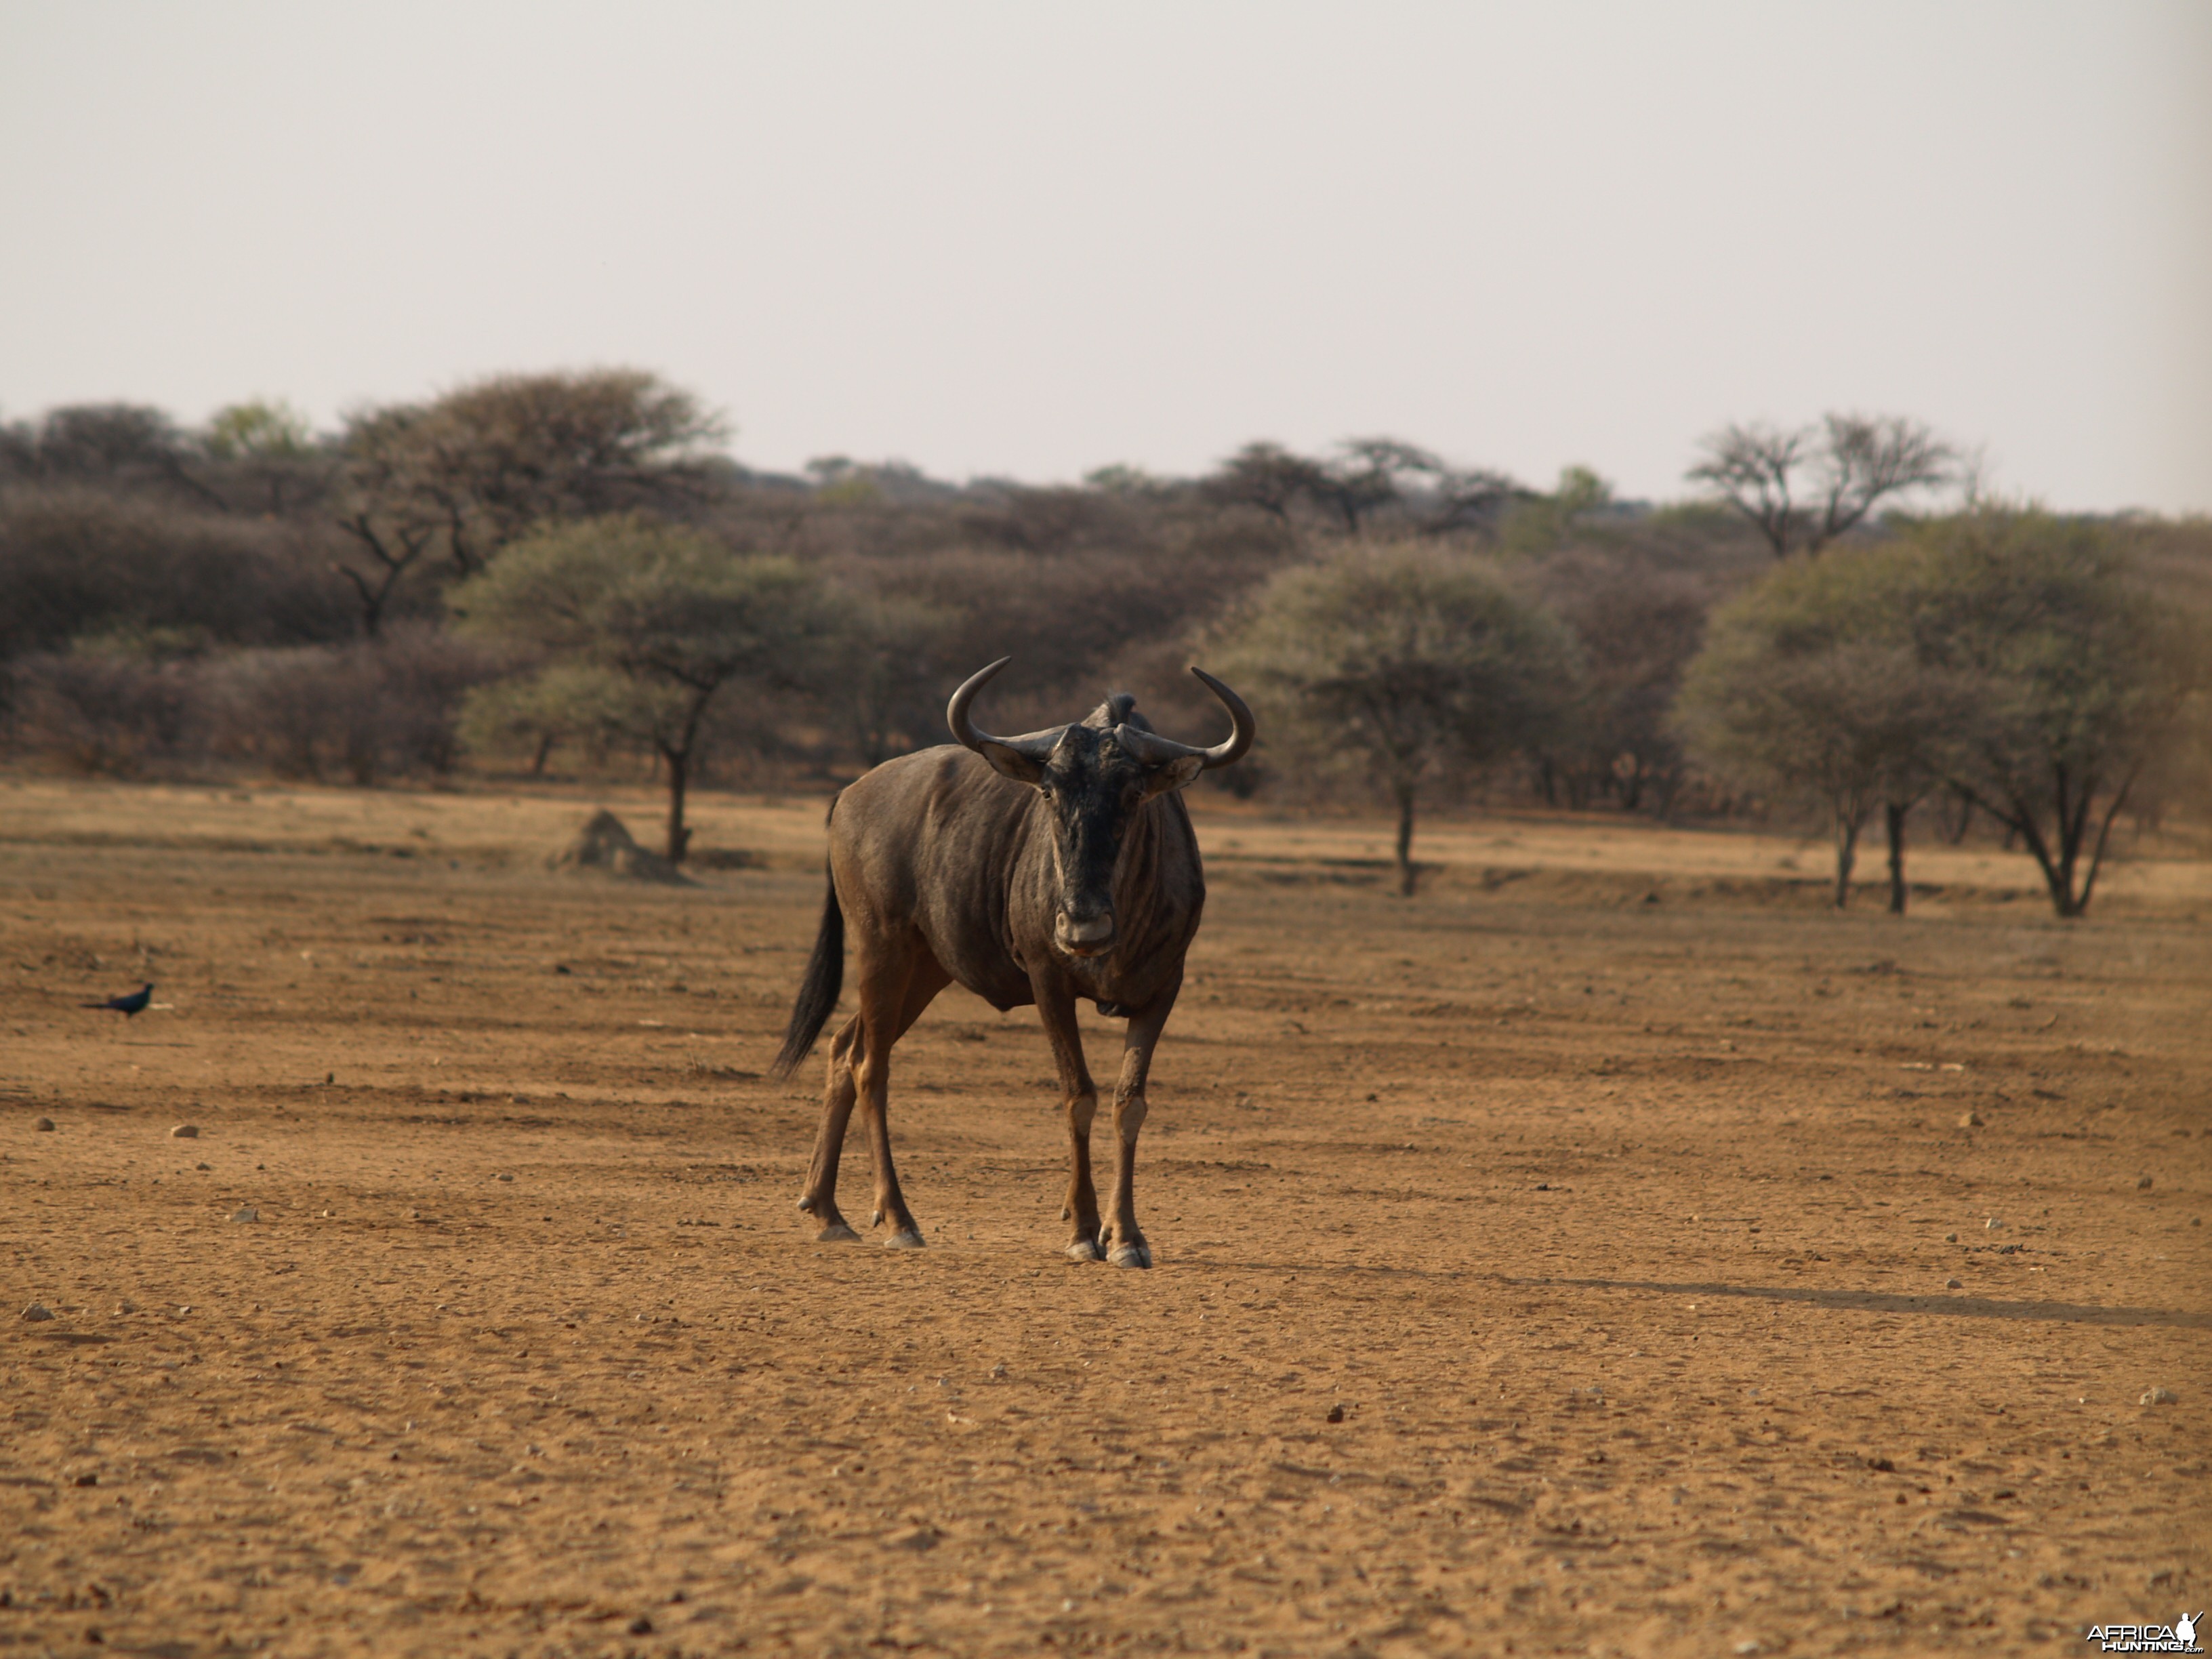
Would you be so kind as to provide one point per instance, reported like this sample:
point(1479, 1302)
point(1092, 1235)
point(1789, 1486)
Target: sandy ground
point(1561, 1261)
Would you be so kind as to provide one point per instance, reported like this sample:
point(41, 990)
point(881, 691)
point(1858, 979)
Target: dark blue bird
point(130, 1004)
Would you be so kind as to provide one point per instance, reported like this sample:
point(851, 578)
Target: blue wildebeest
point(1049, 868)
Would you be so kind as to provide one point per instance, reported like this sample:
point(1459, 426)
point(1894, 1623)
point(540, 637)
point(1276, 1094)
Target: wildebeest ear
point(1171, 775)
point(1010, 762)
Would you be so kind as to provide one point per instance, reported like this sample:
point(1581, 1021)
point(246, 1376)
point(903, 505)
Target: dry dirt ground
point(1608, 1250)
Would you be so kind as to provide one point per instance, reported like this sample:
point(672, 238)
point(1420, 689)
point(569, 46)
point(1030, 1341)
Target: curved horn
point(1243, 728)
point(1035, 744)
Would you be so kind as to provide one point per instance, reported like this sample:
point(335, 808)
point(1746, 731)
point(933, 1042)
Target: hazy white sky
point(1029, 239)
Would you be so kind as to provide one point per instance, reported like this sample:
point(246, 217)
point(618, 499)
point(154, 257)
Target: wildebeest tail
point(818, 992)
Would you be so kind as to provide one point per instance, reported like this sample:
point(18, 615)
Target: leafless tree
point(1843, 469)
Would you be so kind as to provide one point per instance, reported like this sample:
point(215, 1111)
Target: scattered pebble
point(999, 1369)
point(1992, 1225)
point(202, 1166)
point(247, 1212)
point(88, 1481)
point(185, 1132)
point(44, 1124)
point(126, 1306)
point(38, 1310)
point(641, 1625)
point(2159, 1397)
point(507, 1177)
point(1336, 1414)
point(1950, 1238)
point(1970, 1119)
point(2142, 1183)
point(1954, 1285)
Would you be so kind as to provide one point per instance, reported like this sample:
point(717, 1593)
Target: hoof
point(837, 1233)
point(906, 1238)
point(1083, 1250)
point(806, 1205)
point(1131, 1255)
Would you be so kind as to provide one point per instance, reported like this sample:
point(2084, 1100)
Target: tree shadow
point(1956, 1307)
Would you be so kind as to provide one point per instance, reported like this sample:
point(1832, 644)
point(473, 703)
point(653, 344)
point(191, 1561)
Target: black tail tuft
point(818, 992)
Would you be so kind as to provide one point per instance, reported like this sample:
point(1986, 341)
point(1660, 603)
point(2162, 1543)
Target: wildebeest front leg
point(1125, 1244)
point(1057, 1007)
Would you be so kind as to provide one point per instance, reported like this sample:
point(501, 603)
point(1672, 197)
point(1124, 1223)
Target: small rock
point(247, 1212)
point(1970, 1119)
point(1336, 1412)
point(999, 1369)
point(44, 1125)
point(1954, 1285)
point(2159, 1397)
point(507, 1177)
point(2142, 1183)
point(641, 1625)
point(185, 1132)
point(202, 1166)
point(1993, 1225)
point(126, 1306)
point(88, 1481)
point(1950, 1238)
point(37, 1312)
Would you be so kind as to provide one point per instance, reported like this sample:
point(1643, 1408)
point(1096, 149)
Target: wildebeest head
point(1095, 775)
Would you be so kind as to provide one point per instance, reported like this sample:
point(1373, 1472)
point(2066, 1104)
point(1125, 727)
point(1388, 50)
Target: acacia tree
point(391, 524)
point(638, 627)
point(886, 677)
point(1639, 624)
point(2081, 677)
point(1366, 481)
point(1267, 477)
point(447, 483)
point(1810, 687)
point(1804, 486)
point(1418, 664)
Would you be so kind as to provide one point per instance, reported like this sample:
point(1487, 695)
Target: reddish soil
point(1561, 1261)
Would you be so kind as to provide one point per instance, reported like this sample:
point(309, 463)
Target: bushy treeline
point(551, 573)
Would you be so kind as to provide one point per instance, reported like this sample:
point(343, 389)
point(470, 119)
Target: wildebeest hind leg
point(889, 1002)
point(1066, 1037)
point(820, 1199)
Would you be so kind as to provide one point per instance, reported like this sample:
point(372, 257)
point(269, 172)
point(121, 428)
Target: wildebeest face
point(1095, 777)
point(1095, 786)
